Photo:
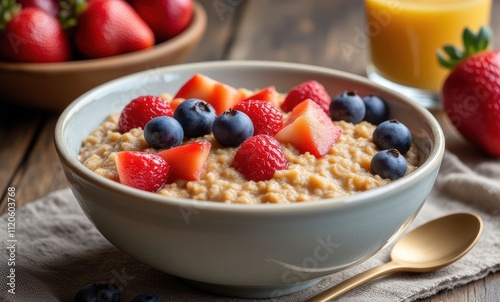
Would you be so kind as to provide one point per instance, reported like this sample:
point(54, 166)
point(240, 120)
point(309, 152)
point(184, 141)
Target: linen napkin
point(58, 251)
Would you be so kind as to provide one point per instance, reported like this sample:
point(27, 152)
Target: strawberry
point(187, 161)
point(259, 157)
point(31, 35)
point(307, 90)
point(268, 94)
point(49, 6)
point(142, 109)
point(266, 118)
point(176, 102)
point(309, 129)
point(471, 92)
point(221, 96)
point(111, 27)
point(167, 18)
point(142, 170)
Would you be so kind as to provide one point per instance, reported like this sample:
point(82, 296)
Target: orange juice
point(406, 34)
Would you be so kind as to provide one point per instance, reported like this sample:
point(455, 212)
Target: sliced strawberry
point(142, 170)
point(176, 102)
point(307, 90)
point(266, 118)
point(309, 129)
point(221, 96)
point(224, 97)
point(268, 94)
point(187, 161)
point(198, 87)
point(259, 157)
point(142, 109)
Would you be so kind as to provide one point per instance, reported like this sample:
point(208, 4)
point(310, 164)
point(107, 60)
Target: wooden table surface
point(321, 32)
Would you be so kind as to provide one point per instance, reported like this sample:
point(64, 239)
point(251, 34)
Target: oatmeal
point(246, 149)
point(343, 171)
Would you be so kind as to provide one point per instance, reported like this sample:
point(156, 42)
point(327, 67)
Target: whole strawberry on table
point(46, 31)
point(471, 92)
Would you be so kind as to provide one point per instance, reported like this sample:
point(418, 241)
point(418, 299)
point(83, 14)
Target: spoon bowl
point(438, 243)
point(429, 247)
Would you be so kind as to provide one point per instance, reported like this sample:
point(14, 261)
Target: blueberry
point(376, 109)
point(388, 164)
point(392, 134)
point(196, 117)
point(232, 128)
point(347, 106)
point(98, 292)
point(163, 132)
point(146, 297)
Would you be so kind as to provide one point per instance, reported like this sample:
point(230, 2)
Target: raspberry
point(142, 109)
point(307, 90)
point(259, 157)
point(266, 118)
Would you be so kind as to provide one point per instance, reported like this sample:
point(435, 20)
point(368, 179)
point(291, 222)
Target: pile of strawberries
point(307, 127)
point(44, 31)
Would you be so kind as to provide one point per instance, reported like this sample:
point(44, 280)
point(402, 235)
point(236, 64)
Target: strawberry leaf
point(469, 41)
point(453, 52)
point(472, 44)
point(443, 62)
point(483, 38)
point(69, 11)
point(8, 9)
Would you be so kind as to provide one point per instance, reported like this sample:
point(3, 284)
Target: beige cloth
point(59, 251)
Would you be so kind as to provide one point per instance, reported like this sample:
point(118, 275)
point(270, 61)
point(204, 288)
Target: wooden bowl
point(53, 86)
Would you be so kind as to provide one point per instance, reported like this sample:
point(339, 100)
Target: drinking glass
point(405, 36)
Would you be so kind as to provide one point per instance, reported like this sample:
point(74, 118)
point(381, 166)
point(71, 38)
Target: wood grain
point(223, 17)
point(19, 128)
point(42, 172)
point(294, 32)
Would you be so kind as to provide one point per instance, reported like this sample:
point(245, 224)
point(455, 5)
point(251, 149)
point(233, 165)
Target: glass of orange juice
point(405, 36)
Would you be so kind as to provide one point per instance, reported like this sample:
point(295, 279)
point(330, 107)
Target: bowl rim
point(141, 197)
point(197, 25)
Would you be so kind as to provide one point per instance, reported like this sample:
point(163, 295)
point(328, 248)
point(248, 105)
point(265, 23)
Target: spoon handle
point(355, 281)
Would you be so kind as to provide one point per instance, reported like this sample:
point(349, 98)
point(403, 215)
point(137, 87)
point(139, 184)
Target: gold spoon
point(429, 247)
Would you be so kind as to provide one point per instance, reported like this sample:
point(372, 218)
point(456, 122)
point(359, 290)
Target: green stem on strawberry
point(69, 11)
point(8, 8)
point(472, 44)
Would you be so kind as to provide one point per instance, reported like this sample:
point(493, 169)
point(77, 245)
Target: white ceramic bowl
point(246, 250)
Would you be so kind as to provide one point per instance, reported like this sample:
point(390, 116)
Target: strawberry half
point(307, 90)
point(141, 110)
point(142, 170)
point(309, 129)
point(266, 118)
point(471, 92)
point(187, 161)
point(221, 96)
point(259, 157)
